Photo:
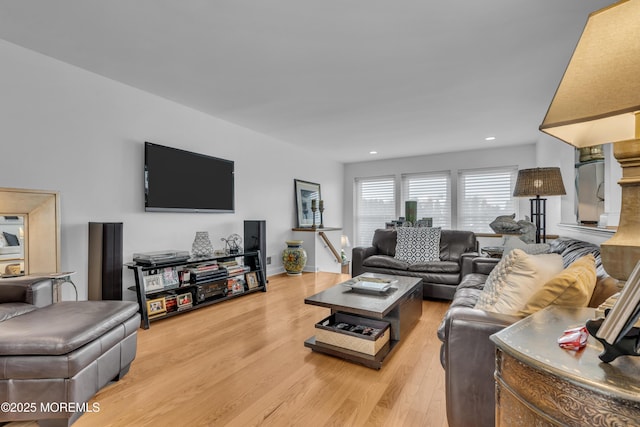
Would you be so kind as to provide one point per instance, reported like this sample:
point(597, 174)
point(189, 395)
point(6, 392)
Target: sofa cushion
point(384, 261)
point(572, 287)
point(63, 327)
point(13, 309)
point(418, 244)
point(384, 240)
point(454, 243)
point(572, 249)
point(11, 239)
point(436, 267)
point(512, 242)
point(515, 278)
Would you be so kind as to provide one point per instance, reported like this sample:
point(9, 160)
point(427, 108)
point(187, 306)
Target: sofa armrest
point(358, 255)
point(468, 356)
point(466, 263)
point(484, 265)
point(31, 290)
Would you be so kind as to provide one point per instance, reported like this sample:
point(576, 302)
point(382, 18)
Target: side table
point(58, 280)
point(539, 383)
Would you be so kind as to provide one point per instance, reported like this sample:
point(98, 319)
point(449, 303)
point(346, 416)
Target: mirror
point(590, 185)
point(11, 245)
point(37, 213)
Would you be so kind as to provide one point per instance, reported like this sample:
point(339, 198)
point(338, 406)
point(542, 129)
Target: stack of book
point(206, 273)
point(233, 268)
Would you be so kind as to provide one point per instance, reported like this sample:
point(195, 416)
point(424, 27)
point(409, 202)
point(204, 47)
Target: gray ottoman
point(57, 357)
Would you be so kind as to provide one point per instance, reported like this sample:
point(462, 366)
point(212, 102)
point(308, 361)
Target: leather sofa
point(55, 357)
point(468, 355)
point(439, 278)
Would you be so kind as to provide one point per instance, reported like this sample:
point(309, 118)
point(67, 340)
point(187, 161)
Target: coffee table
point(401, 307)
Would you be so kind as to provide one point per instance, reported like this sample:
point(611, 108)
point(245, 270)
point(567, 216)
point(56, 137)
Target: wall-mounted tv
point(181, 181)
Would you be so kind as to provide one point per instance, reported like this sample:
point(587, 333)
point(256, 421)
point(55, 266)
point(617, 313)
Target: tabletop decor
point(202, 246)
point(294, 257)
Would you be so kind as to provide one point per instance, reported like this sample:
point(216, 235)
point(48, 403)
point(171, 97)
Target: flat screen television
point(181, 181)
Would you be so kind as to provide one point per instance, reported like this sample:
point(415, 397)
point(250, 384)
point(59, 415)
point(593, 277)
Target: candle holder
point(313, 214)
point(321, 220)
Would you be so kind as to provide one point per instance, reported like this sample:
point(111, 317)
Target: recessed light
point(373, 152)
point(490, 138)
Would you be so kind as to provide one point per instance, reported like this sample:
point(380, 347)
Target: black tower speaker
point(255, 238)
point(105, 260)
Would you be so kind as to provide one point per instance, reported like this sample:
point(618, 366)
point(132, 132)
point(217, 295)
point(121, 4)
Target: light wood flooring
point(243, 363)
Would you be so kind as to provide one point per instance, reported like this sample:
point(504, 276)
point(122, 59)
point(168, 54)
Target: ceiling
point(341, 77)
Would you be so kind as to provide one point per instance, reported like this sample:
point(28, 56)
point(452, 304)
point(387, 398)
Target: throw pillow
point(418, 244)
point(571, 287)
point(519, 277)
point(512, 242)
point(12, 239)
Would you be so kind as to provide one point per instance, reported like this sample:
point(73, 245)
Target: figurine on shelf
point(232, 244)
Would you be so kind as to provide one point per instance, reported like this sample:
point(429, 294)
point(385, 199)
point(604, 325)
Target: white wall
point(65, 129)
point(522, 156)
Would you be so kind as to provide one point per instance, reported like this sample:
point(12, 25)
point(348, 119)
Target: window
point(375, 205)
point(432, 191)
point(485, 194)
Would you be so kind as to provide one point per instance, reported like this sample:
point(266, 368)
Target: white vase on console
point(202, 246)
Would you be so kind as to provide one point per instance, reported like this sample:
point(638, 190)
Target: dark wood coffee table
point(401, 307)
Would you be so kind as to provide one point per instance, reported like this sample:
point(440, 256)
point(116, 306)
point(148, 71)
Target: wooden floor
point(243, 363)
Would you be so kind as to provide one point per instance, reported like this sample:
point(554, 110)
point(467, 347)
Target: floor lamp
point(598, 102)
point(539, 182)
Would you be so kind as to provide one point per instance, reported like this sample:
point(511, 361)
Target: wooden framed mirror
point(39, 214)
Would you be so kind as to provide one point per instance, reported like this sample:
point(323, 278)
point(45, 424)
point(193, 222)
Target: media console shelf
point(163, 288)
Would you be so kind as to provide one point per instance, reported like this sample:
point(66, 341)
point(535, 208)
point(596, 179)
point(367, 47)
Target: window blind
point(485, 194)
point(432, 191)
point(375, 205)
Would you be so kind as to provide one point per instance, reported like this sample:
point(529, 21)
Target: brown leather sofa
point(439, 278)
point(468, 355)
point(55, 357)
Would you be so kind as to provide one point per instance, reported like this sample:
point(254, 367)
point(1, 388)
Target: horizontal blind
point(485, 194)
point(432, 191)
point(375, 205)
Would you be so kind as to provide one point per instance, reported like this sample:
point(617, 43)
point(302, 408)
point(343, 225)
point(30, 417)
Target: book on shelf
point(239, 269)
point(171, 303)
point(229, 263)
point(204, 267)
point(624, 312)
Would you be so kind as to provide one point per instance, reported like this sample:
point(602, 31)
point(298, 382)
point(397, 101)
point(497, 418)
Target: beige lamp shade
point(599, 93)
point(539, 182)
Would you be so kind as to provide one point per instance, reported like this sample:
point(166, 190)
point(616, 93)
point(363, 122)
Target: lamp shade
point(599, 93)
point(539, 182)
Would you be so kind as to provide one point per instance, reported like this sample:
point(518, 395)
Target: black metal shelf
point(250, 259)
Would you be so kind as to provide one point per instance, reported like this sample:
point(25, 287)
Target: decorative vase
point(411, 211)
point(294, 257)
point(202, 246)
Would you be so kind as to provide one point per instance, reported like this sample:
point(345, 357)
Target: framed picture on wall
point(307, 196)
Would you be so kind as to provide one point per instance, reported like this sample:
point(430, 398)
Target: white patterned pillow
point(515, 278)
point(418, 244)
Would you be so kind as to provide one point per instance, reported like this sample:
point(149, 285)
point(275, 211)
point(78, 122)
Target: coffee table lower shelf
point(369, 361)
